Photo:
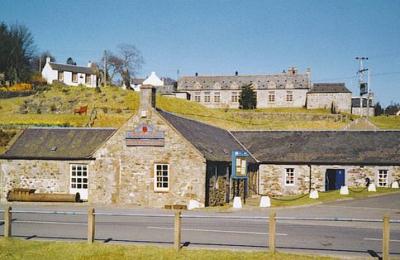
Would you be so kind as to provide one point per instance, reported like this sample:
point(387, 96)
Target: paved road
point(339, 238)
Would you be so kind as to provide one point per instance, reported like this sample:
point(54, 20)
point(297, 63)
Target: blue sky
point(220, 37)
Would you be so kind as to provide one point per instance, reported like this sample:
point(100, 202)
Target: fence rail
point(178, 216)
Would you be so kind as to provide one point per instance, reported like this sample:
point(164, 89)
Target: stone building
point(157, 158)
point(329, 96)
point(295, 162)
point(154, 159)
point(288, 89)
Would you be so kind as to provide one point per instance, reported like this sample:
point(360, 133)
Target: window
point(271, 96)
point(207, 97)
point(197, 96)
point(74, 77)
point(88, 79)
point(289, 177)
point(235, 97)
point(61, 76)
point(289, 96)
point(79, 178)
point(161, 177)
point(217, 97)
point(382, 178)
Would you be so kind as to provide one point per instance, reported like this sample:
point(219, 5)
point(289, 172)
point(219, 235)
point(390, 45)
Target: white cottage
point(70, 75)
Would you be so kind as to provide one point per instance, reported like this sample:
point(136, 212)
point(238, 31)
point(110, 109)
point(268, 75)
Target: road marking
point(219, 231)
point(355, 207)
point(49, 222)
point(380, 239)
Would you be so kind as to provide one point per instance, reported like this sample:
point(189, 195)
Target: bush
point(20, 87)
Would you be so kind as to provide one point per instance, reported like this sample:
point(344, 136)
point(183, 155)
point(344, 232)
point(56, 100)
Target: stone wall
point(126, 174)
point(44, 176)
point(341, 101)
point(272, 177)
point(363, 111)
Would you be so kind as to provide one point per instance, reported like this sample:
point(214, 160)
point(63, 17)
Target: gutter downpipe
point(309, 189)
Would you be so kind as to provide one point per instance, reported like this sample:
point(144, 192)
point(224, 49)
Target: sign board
point(239, 164)
point(144, 135)
point(363, 88)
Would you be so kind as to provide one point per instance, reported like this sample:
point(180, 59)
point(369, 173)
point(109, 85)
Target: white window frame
point(271, 96)
point(289, 96)
point(381, 180)
point(207, 97)
point(156, 188)
point(197, 96)
point(290, 171)
point(217, 97)
point(234, 97)
point(73, 185)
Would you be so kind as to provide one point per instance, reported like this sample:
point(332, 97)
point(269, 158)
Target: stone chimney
point(48, 59)
point(89, 64)
point(147, 100)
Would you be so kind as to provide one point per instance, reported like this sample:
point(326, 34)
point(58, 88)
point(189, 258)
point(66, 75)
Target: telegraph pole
point(364, 88)
point(105, 68)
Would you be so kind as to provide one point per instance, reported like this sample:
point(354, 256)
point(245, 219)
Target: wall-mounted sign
point(239, 164)
point(144, 135)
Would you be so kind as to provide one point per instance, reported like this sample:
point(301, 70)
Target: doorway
point(334, 179)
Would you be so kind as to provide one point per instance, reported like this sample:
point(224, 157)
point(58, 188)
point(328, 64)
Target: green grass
point(329, 197)
point(20, 249)
point(386, 122)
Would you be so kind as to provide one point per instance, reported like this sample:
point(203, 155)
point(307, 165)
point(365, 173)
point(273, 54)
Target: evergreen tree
point(248, 98)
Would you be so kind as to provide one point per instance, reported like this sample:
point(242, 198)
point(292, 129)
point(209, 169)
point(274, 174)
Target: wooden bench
point(81, 110)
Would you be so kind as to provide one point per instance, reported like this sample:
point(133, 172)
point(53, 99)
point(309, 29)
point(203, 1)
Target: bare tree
point(132, 59)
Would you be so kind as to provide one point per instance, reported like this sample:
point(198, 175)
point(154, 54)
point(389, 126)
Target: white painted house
point(70, 75)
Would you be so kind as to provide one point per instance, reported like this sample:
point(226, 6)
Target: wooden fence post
point(272, 231)
point(91, 225)
point(386, 237)
point(7, 221)
point(177, 231)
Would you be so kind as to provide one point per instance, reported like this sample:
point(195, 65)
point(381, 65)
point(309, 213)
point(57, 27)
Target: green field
point(386, 122)
point(34, 250)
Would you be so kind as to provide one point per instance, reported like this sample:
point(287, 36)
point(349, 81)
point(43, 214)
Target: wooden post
point(7, 221)
point(386, 237)
point(91, 226)
point(272, 232)
point(177, 231)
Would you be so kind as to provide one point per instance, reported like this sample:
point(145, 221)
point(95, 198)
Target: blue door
point(339, 178)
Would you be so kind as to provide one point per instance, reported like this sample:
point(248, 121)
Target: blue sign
point(239, 164)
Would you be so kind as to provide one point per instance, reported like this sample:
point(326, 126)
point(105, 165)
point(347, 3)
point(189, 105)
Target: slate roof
point(214, 143)
point(300, 81)
point(355, 102)
point(329, 88)
point(72, 68)
point(58, 143)
point(323, 147)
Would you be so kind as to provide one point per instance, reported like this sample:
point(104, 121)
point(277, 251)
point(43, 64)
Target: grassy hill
point(55, 107)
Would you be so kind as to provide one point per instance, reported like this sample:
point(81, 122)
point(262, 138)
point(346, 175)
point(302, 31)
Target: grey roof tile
point(72, 68)
point(329, 88)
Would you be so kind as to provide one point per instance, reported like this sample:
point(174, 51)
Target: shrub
point(18, 87)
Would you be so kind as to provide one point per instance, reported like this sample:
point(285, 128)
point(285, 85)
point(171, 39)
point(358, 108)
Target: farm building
point(157, 158)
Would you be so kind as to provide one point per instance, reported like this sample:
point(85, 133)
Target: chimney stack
point(147, 100)
point(48, 59)
point(89, 64)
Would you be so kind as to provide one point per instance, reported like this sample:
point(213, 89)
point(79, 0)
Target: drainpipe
point(309, 190)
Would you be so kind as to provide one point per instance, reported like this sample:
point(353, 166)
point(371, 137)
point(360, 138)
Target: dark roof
point(329, 88)
point(72, 68)
point(214, 143)
point(58, 143)
point(299, 81)
point(137, 81)
point(323, 147)
point(355, 102)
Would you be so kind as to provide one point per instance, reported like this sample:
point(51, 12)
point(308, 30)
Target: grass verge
point(386, 122)
point(19, 249)
point(354, 193)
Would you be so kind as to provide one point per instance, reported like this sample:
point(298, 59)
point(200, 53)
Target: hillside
point(113, 106)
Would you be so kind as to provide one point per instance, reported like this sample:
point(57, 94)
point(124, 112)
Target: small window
point(197, 96)
point(207, 97)
point(61, 76)
point(383, 178)
point(289, 177)
point(161, 177)
point(217, 97)
point(235, 97)
point(88, 79)
point(74, 77)
point(289, 96)
point(79, 176)
point(271, 96)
